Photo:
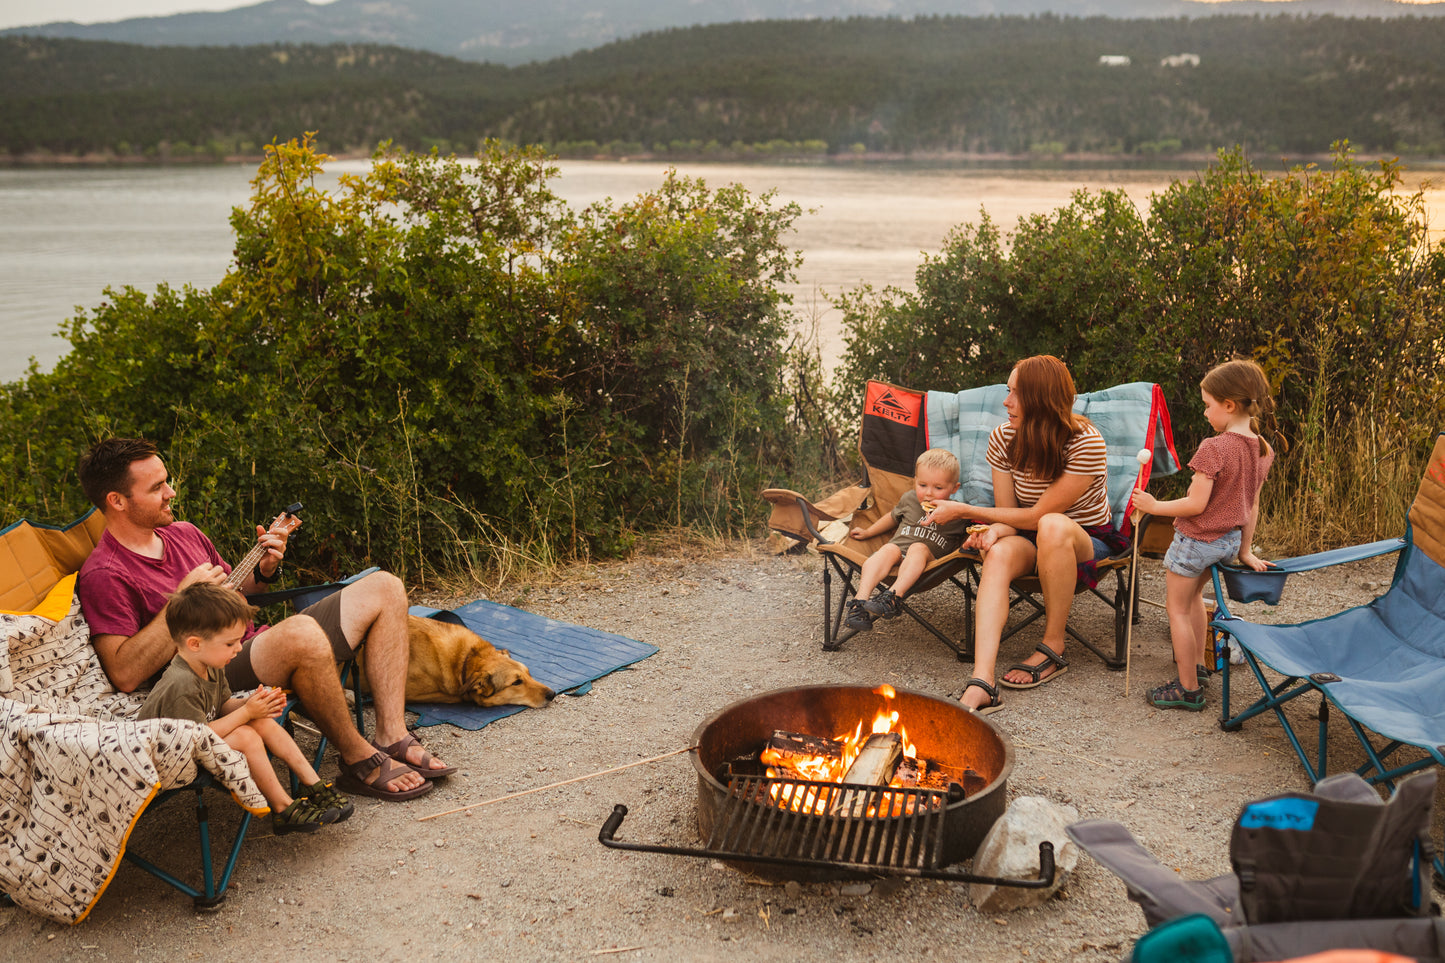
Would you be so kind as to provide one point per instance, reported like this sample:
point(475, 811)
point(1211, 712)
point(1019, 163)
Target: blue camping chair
point(898, 424)
point(1382, 664)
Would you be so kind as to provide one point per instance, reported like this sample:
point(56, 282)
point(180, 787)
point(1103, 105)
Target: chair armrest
point(1247, 585)
point(307, 595)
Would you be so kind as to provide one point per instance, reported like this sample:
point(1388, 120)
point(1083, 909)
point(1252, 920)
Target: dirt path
point(527, 880)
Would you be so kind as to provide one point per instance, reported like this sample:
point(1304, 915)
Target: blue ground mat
point(560, 655)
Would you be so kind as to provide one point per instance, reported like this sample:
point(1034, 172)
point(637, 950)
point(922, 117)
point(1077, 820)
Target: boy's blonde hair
point(204, 609)
point(938, 459)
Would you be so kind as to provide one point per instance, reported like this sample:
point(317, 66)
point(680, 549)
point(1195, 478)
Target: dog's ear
point(477, 680)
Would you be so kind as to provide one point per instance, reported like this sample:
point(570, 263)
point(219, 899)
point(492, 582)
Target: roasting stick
point(1144, 456)
point(564, 782)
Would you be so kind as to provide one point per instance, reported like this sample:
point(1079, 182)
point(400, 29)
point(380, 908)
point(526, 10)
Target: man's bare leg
point(297, 654)
point(374, 609)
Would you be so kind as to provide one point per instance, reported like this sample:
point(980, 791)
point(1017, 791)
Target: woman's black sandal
point(994, 702)
point(1051, 658)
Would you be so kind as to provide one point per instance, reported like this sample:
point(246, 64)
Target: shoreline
point(1185, 160)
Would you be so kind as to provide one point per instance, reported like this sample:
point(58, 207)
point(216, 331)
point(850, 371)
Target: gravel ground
point(525, 879)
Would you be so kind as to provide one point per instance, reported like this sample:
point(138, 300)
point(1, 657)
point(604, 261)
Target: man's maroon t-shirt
point(121, 591)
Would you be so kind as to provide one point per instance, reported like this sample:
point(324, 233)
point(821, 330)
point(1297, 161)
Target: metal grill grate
point(841, 826)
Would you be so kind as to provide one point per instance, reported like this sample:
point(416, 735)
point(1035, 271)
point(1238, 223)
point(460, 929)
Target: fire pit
point(905, 824)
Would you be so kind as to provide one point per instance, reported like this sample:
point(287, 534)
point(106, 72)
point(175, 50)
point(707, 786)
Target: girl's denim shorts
point(1191, 558)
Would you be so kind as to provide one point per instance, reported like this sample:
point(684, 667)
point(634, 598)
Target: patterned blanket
point(76, 770)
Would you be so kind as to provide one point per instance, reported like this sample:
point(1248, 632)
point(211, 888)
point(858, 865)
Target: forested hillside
point(519, 33)
point(1007, 85)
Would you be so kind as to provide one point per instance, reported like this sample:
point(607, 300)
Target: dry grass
point(1346, 488)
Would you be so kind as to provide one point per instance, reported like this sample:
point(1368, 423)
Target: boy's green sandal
point(302, 816)
point(1172, 695)
point(334, 806)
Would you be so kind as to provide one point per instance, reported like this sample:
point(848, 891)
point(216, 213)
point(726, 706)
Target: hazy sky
point(23, 13)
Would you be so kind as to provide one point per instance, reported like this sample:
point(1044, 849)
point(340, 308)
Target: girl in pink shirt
point(1215, 521)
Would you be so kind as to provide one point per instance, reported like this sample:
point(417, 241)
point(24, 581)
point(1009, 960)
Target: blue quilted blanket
point(1129, 416)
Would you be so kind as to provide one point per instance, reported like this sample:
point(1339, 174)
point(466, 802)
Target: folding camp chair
point(899, 424)
point(1335, 868)
point(1130, 417)
point(36, 557)
point(1382, 664)
point(892, 437)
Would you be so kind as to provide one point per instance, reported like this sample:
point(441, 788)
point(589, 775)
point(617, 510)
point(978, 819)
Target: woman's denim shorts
point(1191, 558)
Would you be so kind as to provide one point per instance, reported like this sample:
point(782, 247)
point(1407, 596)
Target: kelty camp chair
point(899, 424)
point(892, 436)
point(77, 771)
point(1130, 417)
point(1336, 868)
point(1382, 665)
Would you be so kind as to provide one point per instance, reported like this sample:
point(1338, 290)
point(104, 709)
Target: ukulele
point(284, 524)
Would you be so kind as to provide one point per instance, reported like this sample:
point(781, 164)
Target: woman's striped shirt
point(1085, 454)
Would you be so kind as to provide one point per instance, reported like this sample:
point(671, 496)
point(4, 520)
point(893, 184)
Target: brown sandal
point(397, 750)
point(383, 769)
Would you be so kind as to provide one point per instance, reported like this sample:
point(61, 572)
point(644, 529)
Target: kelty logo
point(888, 406)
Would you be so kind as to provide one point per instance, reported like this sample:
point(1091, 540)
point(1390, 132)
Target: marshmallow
point(1145, 456)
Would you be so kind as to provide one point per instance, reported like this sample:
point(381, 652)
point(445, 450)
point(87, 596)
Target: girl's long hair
point(1244, 383)
point(1044, 390)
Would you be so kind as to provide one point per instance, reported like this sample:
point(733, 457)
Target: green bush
point(449, 368)
point(1326, 277)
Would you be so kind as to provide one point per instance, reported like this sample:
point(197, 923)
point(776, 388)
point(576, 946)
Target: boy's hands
point(858, 533)
point(265, 703)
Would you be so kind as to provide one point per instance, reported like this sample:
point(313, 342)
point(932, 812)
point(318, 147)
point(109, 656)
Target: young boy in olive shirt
point(207, 622)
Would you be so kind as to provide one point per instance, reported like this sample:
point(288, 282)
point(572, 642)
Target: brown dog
point(450, 663)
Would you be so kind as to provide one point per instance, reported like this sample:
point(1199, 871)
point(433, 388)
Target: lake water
point(67, 234)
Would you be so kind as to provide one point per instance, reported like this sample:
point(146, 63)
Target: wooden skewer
point(565, 782)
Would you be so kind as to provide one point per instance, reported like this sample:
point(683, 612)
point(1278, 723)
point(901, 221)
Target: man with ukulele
point(144, 555)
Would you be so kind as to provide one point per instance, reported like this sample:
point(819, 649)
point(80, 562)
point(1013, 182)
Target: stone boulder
point(1011, 851)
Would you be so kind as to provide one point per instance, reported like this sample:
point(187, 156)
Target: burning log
point(799, 754)
point(877, 760)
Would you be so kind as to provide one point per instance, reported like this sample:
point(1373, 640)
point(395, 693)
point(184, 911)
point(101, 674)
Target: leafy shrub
point(1326, 277)
point(450, 369)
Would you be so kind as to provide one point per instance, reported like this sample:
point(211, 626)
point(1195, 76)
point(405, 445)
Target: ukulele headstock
point(288, 521)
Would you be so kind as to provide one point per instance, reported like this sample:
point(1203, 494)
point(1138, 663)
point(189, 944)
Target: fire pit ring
point(941, 729)
point(860, 829)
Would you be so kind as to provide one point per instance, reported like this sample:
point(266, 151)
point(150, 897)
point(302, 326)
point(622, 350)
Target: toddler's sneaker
point(858, 618)
point(1172, 695)
point(334, 806)
point(884, 604)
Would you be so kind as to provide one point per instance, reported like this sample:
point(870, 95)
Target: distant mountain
point(516, 33)
point(1040, 87)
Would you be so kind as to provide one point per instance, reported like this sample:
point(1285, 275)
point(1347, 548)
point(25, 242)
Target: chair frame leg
point(213, 887)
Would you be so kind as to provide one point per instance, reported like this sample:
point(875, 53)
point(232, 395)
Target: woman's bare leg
point(1009, 558)
point(1063, 544)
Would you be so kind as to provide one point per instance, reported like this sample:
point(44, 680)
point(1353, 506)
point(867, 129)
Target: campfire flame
point(827, 769)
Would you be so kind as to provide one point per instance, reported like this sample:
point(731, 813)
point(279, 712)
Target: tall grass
point(1343, 488)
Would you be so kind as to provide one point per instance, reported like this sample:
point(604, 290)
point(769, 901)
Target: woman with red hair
point(1050, 517)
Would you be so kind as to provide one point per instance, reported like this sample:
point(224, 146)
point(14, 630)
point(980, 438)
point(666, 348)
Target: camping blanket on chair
point(75, 771)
